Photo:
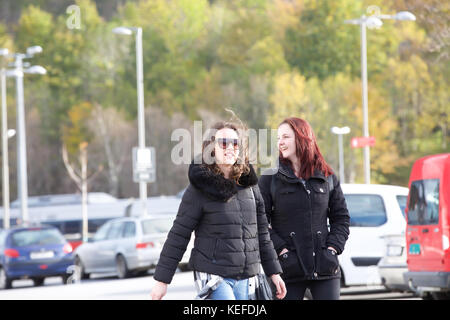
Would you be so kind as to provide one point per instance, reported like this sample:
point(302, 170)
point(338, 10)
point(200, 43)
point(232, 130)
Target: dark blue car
point(33, 252)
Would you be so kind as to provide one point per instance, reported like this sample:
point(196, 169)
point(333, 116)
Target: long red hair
point(307, 150)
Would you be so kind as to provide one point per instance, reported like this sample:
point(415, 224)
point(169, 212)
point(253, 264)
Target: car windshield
point(423, 207)
point(33, 237)
point(366, 210)
point(402, 203)
point(162, 225)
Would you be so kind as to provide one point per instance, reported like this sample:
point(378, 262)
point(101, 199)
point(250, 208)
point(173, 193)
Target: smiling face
point(229, 139)
point(286, 141)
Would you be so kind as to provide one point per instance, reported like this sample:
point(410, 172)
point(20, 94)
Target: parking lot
point(102, 287)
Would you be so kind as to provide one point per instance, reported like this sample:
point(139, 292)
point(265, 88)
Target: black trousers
point(320, 289)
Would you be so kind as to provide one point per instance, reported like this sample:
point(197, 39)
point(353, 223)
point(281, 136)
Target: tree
point(76, 138)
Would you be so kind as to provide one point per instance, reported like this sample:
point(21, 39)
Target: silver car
point(392, 266)
point(125, 246)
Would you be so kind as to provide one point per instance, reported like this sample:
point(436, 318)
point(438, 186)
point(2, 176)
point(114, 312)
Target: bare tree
point(81, 179)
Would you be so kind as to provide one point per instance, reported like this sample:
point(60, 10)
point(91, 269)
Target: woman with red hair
point(300, 196)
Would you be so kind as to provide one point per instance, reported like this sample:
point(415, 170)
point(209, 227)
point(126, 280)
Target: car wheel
point(121, 267)
point(343, 285)
point(79, 264)
point(440, 295)
point(38, 282)
point(141, 273)
point(5, 282)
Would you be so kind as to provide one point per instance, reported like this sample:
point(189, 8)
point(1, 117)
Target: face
point(226, 146)
point(286, 141)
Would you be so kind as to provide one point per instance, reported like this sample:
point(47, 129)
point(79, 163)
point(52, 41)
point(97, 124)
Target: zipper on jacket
point(303, 182)
point(214, 251)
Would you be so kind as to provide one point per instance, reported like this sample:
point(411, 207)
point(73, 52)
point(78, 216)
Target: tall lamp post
point(371, 22)
point(18, 72)
point(5, 165)
point(340, 132)
point(140, 101)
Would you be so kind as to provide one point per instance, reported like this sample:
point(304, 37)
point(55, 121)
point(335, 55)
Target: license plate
point(414, 248)
point(42, 255)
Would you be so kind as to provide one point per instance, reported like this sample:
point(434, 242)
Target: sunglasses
point(223, 143)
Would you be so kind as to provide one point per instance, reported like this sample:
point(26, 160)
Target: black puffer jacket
point(231, 229)
point(298, 218)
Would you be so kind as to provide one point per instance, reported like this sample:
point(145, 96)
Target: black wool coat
point(231, 229)
point(298, 218)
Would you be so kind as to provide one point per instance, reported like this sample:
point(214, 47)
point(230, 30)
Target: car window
point(423, 206)
point(402, 203)
point(102, 232)
point(34, 237)
point(129, 230)
point(72, 227)
point(366, 210)
point(162, 225)
point(95, 224)
point(115, 231)
point(2, 238)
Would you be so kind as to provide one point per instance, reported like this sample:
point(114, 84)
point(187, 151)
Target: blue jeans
point(231, 289)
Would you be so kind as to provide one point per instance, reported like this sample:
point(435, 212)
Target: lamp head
point(373, 22)
point(405, 16)
point(4, 52)
point(34, 50)
point(36, 70)
point(343, 130)
point(123, 30)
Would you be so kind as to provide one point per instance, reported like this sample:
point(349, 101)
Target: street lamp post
point(340, 132)
point(140, 101)
point(371, 22)
point(18, 72)
point(5, 165)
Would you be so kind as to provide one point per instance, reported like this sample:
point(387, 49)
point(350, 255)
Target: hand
point(283, 251)
point(279, 284)
point(159, 290)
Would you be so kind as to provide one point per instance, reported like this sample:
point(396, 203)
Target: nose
point(230, 146)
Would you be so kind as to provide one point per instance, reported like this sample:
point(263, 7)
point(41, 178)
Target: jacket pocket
point(290, 264)
point(327, 262)
point(320, 192)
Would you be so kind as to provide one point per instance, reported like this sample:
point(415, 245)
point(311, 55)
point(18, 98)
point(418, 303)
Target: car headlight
point(393, 250)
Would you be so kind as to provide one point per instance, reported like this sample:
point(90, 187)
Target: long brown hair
point(241, 167)
point(307, 150)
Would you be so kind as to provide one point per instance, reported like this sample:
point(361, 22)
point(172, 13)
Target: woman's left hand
point(279, 284)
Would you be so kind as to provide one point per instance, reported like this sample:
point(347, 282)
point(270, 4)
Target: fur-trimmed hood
point(216, 186)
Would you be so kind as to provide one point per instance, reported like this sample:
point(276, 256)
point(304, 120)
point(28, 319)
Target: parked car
point(33, 252)
point(125, 246)
point(428, 229)
point(393, 265)
point(375, 211)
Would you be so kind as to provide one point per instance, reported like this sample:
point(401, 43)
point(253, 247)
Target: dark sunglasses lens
point(225, 142)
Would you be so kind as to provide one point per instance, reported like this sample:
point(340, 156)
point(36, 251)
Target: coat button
point(315, 274)
point(285, 255)
point(314, 254)
point(292, 234)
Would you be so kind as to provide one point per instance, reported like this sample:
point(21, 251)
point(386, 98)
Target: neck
point(226, 169)
point(295, 166)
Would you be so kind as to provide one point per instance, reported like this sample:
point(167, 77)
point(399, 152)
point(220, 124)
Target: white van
point(375, 211)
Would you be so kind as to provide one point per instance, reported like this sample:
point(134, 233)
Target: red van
point(427, 230)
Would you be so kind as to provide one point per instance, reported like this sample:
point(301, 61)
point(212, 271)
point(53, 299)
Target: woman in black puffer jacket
point(224, 206)
point(299, 198)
